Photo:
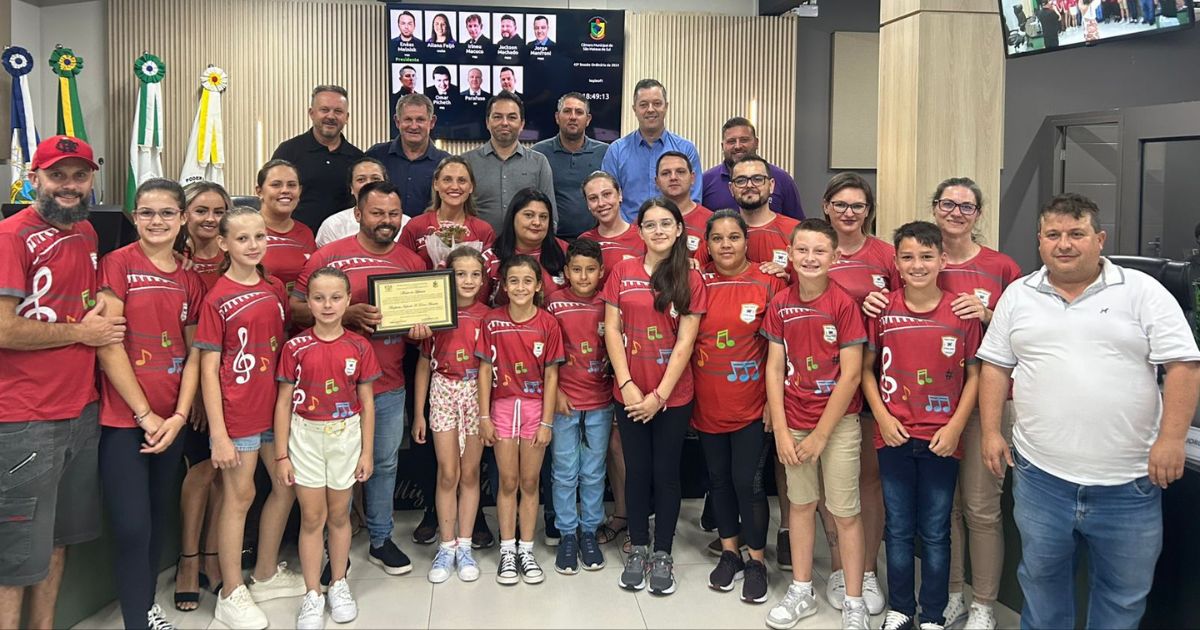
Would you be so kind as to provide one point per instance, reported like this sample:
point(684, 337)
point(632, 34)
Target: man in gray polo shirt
point(1094, 441)
point(573, 156)
point(502, 166)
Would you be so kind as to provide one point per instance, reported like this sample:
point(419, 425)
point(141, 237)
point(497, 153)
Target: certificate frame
point(430, 295)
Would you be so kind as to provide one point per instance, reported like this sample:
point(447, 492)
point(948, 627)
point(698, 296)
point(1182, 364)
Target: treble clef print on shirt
point(244, 362)
point(43, 280)
point(298, 395)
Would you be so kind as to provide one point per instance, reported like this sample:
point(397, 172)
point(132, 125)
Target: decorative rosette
point(214, 79)
point(17, 61)
point(149, 68)
point(65, 63)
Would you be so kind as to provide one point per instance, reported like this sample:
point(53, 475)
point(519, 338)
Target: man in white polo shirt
point(1094, 441)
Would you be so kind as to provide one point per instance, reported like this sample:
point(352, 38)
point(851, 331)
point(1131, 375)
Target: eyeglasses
point(147, 214)
point(666, 225)
point(946, 206)
point(840, 207)
point(744, 180)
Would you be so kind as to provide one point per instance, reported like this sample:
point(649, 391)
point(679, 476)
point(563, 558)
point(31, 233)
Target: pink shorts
point(517, 417)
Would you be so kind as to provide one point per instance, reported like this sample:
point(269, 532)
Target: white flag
point(205, 158)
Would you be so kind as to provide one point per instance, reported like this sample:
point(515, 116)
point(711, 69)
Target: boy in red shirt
point(924, 393)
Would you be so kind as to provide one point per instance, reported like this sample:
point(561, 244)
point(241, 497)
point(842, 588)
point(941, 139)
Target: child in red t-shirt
point(522, 345)
point(922, 397)
point(240, 333)
point(448, 378)
point(325, 429)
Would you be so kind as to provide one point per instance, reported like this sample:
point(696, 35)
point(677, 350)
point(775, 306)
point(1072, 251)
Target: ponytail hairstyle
point(238, 212)
point(435, 199)
point(671, 278)
point(517, 260)
point(331, 272)
point(969, 184)
point(190, 193)
point(171, 187)
point(466, 251)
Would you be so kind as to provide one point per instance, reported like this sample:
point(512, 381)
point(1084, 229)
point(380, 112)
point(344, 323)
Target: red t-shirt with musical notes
point(649, 336)
point(694, 224)
point(326, 374)
point(518, 353)
point(728, 360)
point(349, 256)
point(871, 268)
point(287, 252)
point(493, 287)
point(922, 362)
point(421, 226)
point(614, 249)
point(159, 305)
point(52, 274)
point(451, 352)
point(245, 324)
point(208, 269)
point(585, 378)
point(813, 334)
point(770, 242)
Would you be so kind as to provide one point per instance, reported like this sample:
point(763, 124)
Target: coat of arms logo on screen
point(597, 28)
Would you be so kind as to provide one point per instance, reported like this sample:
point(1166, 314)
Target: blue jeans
point(1121, 526)
point(380, 490)
point(918, 492)
point(579, 448)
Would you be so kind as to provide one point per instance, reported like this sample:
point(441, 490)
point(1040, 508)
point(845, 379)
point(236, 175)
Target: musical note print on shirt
point(743, 371)
point(938, 404)
point(243, 362)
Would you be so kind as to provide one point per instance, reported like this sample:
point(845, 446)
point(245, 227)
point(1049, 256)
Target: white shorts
point(324, 454)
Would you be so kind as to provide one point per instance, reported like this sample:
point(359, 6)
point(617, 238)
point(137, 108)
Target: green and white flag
point(205, 157)
point(145, 149)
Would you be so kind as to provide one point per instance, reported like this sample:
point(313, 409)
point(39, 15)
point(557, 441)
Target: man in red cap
point(51, 322)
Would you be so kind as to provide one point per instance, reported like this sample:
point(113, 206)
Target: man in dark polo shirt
point(572, 156)
point(739, 139)
point(410, 158)
point(323, 156)
point(502, 165)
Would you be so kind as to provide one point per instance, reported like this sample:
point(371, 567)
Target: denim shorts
point(251, 442)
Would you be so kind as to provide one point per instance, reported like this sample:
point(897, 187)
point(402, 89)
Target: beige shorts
point(324, 454)
point(839, 467)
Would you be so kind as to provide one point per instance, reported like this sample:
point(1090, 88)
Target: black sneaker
point(589, 551)
point(507, 572)
point(567, 561)
point(729, 569)
point(552, 535)
point(783, 550)
point(708, 521)
point(755, 587)
point(327, 574)
point(482, 538)
point(390, 558)
point(531, 571)
point(427, 531)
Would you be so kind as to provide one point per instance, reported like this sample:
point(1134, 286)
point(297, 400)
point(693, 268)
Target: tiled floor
point(584, 600)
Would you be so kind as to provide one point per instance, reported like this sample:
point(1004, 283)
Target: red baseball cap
point(54, 149)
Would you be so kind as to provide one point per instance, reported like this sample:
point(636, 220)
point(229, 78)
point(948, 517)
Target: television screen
point(1035, 26)
point(459, 56)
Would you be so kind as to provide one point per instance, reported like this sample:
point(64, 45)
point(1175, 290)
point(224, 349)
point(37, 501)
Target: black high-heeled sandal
point(187, 597)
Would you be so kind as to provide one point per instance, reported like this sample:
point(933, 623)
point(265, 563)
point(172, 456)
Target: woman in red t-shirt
point(528, 229)
point(147, 385)
point(451, 214)
point(652, 312)
point(289, 242)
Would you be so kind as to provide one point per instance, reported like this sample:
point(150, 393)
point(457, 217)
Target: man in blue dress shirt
point(739, 139)
point(633, 158)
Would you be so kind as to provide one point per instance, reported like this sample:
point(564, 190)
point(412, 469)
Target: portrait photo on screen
point(406, 25)
point(439, 81)
point(439, 27)
point(475, 82)
point(541, 29)
point(508, 29)
point(474, 28)
point(407, 78)
point(509, 78)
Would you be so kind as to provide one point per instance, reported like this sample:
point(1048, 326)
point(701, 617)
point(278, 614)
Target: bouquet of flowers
point(442, 241)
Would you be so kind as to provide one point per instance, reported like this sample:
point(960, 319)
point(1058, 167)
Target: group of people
point(871, 378)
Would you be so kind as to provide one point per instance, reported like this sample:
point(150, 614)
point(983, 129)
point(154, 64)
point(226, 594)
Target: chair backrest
point(1178, 276)
point(246, 200)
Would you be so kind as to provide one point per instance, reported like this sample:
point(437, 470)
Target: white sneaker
point(835, 589)
point(929, 625)
point(956, 609)
point(855, 616)
point(980, 618)
point(239, 612)
point(312, 612)
point(796, 605)
point(871, 593)
point(156, 619)
point(285, 583)
point(342, 606)
point(468, 569)
point(443, 565)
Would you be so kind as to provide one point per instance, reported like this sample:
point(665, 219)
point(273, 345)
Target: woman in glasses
point(864, 264)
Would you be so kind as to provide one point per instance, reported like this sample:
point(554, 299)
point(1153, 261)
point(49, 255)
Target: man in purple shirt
point(738, 139)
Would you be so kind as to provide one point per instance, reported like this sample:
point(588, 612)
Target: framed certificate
point(407, 299)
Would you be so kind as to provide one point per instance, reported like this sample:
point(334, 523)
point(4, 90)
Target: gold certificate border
point(447, 319)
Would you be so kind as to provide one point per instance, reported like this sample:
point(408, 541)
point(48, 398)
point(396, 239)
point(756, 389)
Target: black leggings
point(735, 477)
point(652, 455)
point(137, 491)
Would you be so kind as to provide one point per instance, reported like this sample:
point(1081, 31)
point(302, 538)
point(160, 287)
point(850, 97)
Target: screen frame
point(1000, 5)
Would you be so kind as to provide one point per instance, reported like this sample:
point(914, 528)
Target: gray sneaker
point(855, 616)
point(662, 574)
point(633, 578)
point(796, 605)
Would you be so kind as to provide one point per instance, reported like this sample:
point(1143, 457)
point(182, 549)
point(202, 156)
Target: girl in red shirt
point(448, 378)
point(241, 331)
point(652, 311)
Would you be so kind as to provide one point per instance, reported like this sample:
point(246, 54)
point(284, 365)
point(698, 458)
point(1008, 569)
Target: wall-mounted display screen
point(1035, 26)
